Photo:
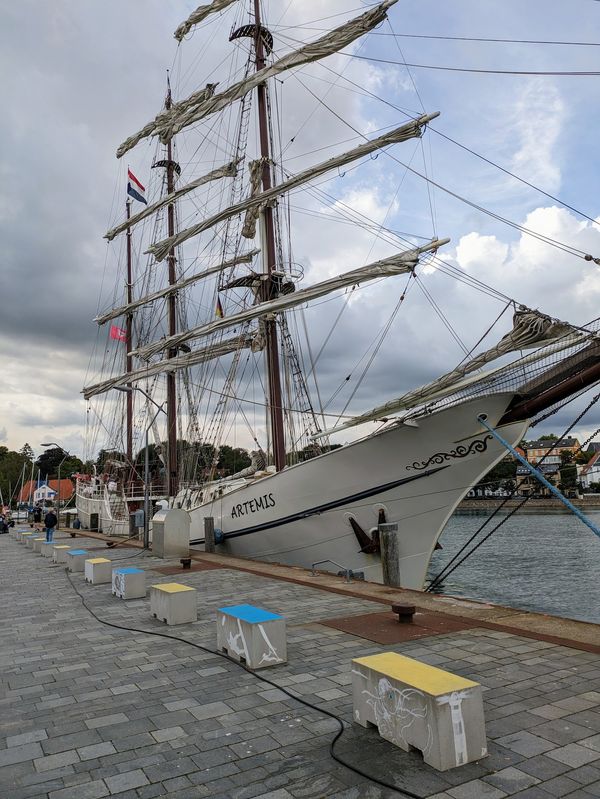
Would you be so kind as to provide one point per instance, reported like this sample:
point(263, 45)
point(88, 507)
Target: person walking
point(50, 520)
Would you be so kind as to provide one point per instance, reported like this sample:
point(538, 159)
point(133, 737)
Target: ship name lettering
point(252, 505)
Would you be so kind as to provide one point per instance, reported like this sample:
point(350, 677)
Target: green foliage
point(11, 473)
point(500, 475)
point(50, 460)
point(566, 457)
point(568, 477)
point(232, 460)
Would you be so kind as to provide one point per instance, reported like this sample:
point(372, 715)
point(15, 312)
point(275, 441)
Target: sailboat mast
point(172, 317)
point(272, 346)
point(129, 347)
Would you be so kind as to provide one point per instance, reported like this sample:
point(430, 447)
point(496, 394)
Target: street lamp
point(67, 455)
point(128, 390)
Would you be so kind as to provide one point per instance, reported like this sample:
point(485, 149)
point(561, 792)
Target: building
point(590, 473)
point(550, 450)
point(35, 491)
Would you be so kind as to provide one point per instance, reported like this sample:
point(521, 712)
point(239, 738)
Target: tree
point(232, 460)
point(548, 437)
point(11, 473)
point(27, 452)
point(568, 477)
point(501, 473)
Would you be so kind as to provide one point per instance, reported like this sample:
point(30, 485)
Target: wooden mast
point(172, 482)
point(128, 348)
point(272, 348)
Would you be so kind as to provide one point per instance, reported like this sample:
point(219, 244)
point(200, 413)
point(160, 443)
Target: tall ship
point(238, 266)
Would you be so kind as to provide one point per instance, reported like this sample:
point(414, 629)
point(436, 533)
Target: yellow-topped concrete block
point(59, 553)
point(172, 588)
point(173, 603)
point(414, 705)
point(98, 560)
point(435, 682)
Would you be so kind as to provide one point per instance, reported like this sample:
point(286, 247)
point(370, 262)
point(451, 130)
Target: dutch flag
point(135, 188)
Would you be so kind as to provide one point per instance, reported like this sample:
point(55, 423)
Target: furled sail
point(198, 15)
point(530, 329)
point(198, 98)
point(246, 258)
point(189, 111)
point(252, 340)
point(409, 130)
point(226, 171)
point(395, 265)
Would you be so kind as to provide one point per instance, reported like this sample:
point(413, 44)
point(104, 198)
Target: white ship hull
point(86, 506)
point(417, 474)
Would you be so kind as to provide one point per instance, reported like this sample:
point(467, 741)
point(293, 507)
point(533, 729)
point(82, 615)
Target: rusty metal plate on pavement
point(195, 567)
point(384, 628)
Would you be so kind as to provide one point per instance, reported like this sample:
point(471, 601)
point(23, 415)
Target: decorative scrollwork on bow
point(462, 451)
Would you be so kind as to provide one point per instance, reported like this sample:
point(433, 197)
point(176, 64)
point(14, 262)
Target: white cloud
point(537, 121)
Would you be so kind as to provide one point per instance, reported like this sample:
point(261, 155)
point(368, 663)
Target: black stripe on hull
point(336, 503)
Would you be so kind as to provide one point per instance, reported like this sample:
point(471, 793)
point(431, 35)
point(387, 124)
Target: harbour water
point(545, 562)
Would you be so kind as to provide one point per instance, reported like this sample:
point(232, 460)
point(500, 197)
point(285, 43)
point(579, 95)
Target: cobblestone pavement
point(88, 711)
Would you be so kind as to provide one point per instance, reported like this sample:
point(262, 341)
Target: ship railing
point(348, 573)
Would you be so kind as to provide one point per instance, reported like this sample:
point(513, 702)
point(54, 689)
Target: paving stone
point(96, 750)
point(18, 754)
point(126, 781)
point(525, 743)
point(105, 721)
point(26, 738)
point(91, 790)
point(574, 755)
point(52, 762)
point(511, 780)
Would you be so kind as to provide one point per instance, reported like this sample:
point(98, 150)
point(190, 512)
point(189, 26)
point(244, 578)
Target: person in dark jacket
point(50, 521)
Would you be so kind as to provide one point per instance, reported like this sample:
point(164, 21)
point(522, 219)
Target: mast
point(172, 310)
point(272, 347)
point(128, 347)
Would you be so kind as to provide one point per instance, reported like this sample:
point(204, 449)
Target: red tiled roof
point(66, 488)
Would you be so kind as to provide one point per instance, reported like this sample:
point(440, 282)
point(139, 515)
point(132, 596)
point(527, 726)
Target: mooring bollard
point(209, 534)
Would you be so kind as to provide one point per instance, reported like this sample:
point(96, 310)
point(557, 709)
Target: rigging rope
point(447, 570)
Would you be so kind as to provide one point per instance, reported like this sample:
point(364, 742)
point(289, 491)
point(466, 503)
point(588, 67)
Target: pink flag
point(118, 333)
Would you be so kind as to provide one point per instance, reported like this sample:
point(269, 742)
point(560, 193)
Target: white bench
point(173, 603)
point(416, 706)
point(252, 635)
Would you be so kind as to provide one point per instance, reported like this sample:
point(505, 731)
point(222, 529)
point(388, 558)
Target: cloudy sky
point(82, 75)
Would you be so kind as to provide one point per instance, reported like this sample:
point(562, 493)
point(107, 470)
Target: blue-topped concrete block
point(129, 583)
point(252, 635)
point(76, 559)
point(250, 613)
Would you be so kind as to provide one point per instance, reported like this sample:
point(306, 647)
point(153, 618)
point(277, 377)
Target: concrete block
point(47, 549)
point(37, 544)
point(417, 706)
point(59, 553)
point(76, 559)
point(25, 536)
point(252, 635)
point(129, 583)
point(98, 571)
point(173, 603)
point(30, 539)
